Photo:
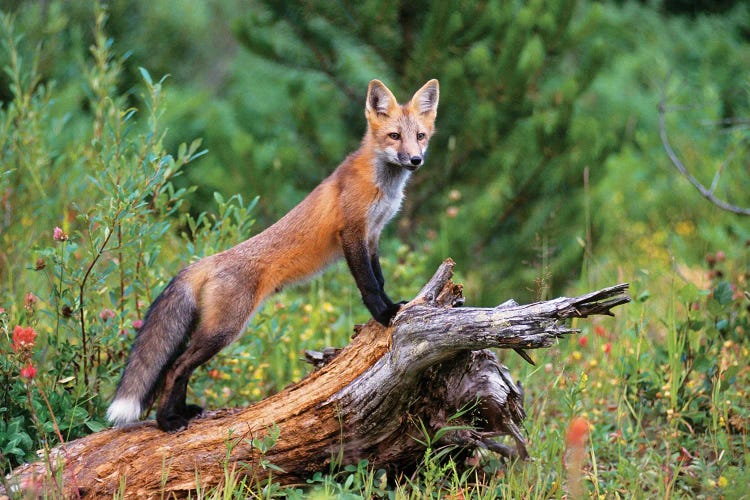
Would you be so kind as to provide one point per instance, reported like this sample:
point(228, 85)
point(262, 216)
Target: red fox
point(208, 304)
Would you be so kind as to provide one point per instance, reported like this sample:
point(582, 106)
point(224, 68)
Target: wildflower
point(607, 348)
point(59, 235)
point(23, 337)
point(106, 314)
point(710, 260)
point(577, 433)
point(451, 212)
point(28, 371)
point(722, 482)
point(40, 264)
point(137, 324)
point(685, 456)
point(583, 341)
point(616, 437)
point(600, 331)
point(214, 374)
point(575, 441)
point(454, 195)
point(29, 301)
point(2, 310)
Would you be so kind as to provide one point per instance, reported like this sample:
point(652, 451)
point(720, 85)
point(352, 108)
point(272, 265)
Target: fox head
point(400, 132)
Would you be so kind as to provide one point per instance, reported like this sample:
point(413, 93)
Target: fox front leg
point(369, 277)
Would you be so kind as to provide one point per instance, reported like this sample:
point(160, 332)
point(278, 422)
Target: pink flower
point(28, 371)
point(137, 324)
point(106, 314)
point(23, 337)
point(59, 235)
point(29, 300)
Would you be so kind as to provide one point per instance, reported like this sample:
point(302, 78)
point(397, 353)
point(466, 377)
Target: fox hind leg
point(220, 326)
point(173, 413)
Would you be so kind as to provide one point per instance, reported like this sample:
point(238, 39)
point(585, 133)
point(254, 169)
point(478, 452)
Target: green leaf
point(95, 426)
point(146, 76)
point(723, 293)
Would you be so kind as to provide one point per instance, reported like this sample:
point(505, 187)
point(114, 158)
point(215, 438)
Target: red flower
point(23, 337)
point(600, 331)
point(578, 431)
point(607, 348)
point(583, 341)
point(28, 371)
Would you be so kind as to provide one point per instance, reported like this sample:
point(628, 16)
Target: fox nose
point(416, 160)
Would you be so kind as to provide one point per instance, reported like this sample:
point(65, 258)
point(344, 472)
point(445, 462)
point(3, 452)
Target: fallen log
point(366, 401)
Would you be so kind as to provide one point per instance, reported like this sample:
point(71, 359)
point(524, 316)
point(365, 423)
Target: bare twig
point(707, 193)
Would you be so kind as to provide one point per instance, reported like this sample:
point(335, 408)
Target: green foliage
point(88, 279)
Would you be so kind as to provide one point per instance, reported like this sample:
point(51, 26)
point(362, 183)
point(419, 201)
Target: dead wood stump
point(363, 402)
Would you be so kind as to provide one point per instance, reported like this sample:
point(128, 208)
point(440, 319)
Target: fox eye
point(421, 136)
point(395, 136)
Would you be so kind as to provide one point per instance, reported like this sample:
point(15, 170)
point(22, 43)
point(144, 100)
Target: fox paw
point(386, 316)
point(191, 411)
point(171, 423)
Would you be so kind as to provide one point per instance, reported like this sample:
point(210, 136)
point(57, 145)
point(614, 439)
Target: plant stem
point(81, 302)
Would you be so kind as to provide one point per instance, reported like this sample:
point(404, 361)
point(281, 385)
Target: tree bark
point(369, 400)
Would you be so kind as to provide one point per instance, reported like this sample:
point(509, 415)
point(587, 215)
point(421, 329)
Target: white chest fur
point(391, 182)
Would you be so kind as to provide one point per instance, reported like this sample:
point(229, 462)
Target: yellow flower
point(722, 482)
point(684, 228)
point(584, 379)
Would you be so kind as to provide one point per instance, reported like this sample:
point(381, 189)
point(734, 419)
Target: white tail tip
point(122, 411)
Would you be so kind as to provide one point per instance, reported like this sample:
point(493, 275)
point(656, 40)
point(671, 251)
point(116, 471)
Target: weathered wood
point(363, 402)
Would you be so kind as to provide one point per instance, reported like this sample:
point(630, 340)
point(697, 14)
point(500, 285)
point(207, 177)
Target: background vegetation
point(145, 131)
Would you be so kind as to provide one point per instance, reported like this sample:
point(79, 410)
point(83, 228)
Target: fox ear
point(425, 100)
point(380, 100)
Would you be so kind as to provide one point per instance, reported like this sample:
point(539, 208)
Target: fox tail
point(165, 331)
